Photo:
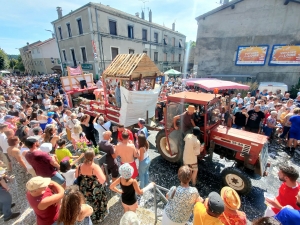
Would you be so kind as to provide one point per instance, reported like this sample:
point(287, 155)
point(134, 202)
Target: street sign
point(87, 66)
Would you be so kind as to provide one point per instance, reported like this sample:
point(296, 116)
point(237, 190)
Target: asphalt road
point(165, 174)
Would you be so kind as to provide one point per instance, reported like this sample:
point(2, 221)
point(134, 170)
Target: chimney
point(225, 2)
point(137, 14)
point(150, 16)
point(59, 12)
point(173, 26)
point(143, 15)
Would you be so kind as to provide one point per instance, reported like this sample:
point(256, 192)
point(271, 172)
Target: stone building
point(26, 56)
point(94, 34)
point(45, 56)
point(247, 23)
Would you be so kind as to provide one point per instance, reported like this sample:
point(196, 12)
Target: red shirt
point(47, 216)
point(41, 163)
point(287, 196)
point(266, 117)
point(130, 135)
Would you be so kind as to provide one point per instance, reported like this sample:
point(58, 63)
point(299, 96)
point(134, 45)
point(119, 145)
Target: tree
point(4, 62)
point(12, 63)
point(21, 67)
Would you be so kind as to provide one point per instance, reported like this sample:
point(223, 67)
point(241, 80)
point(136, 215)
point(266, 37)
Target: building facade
point(45, 56)
point(94, 34)
point(247, 23)
point(26, 56)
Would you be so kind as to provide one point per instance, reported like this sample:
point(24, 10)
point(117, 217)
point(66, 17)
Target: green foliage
point(4, 62)
point(295, 89)
point(21, 66)
point(12, 63)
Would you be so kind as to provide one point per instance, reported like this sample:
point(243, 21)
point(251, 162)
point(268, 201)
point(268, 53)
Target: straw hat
point(37, 182)
point(191, 108)
point(231, 198)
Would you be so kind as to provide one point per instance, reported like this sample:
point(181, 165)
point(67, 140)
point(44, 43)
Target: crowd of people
point(51, 150)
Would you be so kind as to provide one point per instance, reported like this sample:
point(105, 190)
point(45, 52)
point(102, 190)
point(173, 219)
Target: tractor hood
point(240, 141)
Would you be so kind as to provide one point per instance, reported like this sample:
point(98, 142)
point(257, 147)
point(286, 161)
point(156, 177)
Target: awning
point(4, 71)
point(210, 84)
point(172, 72)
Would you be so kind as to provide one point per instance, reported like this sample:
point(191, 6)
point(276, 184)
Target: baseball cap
point(196, 130)
point(142, 121)
point(37, 182)
point(46, 147)
point(7, 117)
point(239, 94)
point(215, 203)
point(50, 113)
point(243, 107)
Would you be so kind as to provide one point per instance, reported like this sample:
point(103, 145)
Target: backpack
point(21, 133)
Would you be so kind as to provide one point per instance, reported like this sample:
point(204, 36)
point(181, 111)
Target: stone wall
point(251, 22)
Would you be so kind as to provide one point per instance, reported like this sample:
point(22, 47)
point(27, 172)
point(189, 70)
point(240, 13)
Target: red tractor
point(248, 150)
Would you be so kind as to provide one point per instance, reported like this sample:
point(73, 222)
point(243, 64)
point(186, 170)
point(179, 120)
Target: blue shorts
point(294, 134)
point(267, 131)
point(58, 178)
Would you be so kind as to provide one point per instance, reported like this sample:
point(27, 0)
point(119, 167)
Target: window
point(130, 32)
point(64, 54)
point(69, 29)
point(73, 58)
point(131, 51)
point(79, 23)
point(155, 56)
point(113, 27)
point(114, 53)
point(173, 42)
point(180, 43)
point(60, 34)
point(156, 37)
point(145, 52)
point(172, 58)
point(165, 39)
point(165, 57)
point(83, 52)
point(179, 58)
point(144, 32)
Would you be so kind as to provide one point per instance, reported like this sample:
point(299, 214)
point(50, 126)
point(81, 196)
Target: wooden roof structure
point(131, 67)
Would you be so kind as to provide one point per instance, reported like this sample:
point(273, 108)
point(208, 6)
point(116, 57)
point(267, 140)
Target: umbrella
point(172, 72)
point(4, 71)
point(210, 84)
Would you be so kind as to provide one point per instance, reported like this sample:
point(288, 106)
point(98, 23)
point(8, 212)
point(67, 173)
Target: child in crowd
point(62, 152)
point(68, 169)
point(78, 136)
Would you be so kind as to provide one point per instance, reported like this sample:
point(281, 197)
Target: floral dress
point(95, 196)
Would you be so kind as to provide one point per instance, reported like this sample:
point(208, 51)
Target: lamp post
point(61, 64)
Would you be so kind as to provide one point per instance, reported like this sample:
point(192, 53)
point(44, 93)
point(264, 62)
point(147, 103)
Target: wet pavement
point(209, 178)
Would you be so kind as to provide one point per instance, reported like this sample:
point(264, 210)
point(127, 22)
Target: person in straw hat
point(44, 197)
point(232, 202)
point(186, 119)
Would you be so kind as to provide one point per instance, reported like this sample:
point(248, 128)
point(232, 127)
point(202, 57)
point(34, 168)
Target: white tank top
point(145, 154)
point(28, 166)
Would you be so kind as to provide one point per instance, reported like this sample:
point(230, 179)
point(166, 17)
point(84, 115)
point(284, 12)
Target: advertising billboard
point(251, 55)
point(285, 55)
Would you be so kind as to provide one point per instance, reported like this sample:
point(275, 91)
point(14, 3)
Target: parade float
point(136, 74)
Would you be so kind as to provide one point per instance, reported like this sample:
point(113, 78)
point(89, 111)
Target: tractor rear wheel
point(237, 180)
point(163, 148)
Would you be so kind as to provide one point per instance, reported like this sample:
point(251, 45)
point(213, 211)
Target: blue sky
point(23, 21)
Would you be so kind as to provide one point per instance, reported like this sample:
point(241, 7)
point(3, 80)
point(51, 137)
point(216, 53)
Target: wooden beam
point(139, 85)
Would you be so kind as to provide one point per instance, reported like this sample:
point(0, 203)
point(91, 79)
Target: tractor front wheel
point(237, 180)
point(169, 154)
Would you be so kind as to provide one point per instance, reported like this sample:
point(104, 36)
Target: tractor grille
point(245, 150)
point(263, 158)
